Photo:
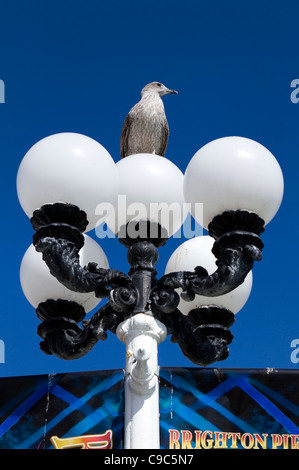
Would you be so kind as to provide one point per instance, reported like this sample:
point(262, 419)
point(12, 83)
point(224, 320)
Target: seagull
point(145, 129)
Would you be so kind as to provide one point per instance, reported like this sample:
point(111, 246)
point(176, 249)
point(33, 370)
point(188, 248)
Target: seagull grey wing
point(124, 138)
point(164, 139)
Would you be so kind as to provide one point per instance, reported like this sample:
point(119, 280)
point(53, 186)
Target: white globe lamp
point(234, 173)
point(70, 168)
point(39, 285)
point(150, 188)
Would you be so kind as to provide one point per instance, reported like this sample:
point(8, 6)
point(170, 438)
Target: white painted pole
point(142, 333)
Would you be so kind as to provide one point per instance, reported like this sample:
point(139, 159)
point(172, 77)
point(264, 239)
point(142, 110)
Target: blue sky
point(77, 66)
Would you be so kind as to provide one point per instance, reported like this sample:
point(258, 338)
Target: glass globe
point(197, 252)
point(150, 188)
point(234, 173)
point(67, 167)
point(39, 285)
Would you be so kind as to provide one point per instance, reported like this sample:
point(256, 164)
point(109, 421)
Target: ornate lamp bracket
point(203, 335)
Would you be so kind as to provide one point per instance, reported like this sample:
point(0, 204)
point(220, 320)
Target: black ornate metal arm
point(61, 332)
point(202, 337)
point(60, 243)
point(236, 255)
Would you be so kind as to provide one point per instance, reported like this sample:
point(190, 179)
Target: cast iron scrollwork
point(203, 335)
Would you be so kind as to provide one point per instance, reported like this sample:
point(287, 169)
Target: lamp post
point(67, 183)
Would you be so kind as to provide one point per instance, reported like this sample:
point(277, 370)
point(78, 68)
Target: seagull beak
point(167, 91)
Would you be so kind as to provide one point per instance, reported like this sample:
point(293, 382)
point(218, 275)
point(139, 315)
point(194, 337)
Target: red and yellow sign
point(185, 439)
point(95, 441)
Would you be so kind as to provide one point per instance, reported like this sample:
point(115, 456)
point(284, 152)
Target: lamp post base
point(141, 333)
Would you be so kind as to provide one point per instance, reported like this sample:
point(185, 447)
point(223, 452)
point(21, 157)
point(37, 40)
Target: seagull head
point(158, 88)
